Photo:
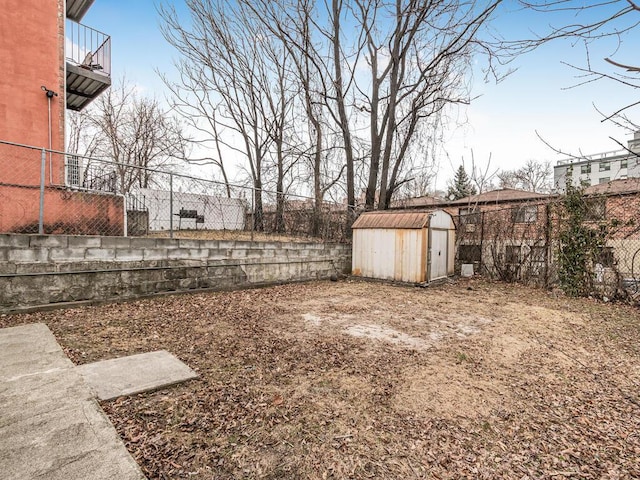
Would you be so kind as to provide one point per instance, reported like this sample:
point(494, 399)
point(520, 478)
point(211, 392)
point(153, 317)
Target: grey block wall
point(45, 269)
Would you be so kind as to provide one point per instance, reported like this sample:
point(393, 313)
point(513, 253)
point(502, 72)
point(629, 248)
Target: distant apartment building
point(599, 168)
point(50, 63)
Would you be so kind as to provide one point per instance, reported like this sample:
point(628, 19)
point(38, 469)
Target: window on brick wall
point(537, 259)
point(538, 254)
point(469, 215)
point(512, 254)
point(596, 209)
point(469, 253)
point(605, 166)
point(524, 214)
point(606, 258)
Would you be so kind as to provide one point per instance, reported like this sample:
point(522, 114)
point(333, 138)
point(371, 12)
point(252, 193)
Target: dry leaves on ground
point(368, 380)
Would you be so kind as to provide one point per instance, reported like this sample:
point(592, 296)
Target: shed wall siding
point(390, 254)
point(451, 259)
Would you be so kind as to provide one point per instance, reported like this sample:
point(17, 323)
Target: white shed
point(405, 246)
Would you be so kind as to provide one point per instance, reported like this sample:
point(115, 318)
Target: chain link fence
point(50, 192)
point(594, 240)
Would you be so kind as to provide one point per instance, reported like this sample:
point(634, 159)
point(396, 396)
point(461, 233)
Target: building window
point(585, 168)
point(469, 253)
point(605, 166)
point(538, 254)
point(525, 214)
point(606, 258)
point(512, 254)
point(538, 260)
point(623, 163)
point(595, 209)
point(469, 215)
point(604, 180)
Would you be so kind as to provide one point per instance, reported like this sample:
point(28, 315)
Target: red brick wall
point(625, 209)
point(65, 212)
point(31, 55)
point(32, 45)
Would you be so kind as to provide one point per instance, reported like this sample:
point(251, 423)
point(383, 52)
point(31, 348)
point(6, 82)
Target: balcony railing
point(88, 48)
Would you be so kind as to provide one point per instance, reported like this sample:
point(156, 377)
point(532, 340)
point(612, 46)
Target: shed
point(405, 246)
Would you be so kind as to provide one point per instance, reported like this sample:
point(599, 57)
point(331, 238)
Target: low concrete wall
point(46, 269)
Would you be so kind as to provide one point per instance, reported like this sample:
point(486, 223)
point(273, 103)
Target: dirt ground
point(369, 380)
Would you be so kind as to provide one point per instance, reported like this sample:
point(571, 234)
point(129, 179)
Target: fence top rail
point(155, 170)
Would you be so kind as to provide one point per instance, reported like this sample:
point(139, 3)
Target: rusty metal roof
point(408, 220)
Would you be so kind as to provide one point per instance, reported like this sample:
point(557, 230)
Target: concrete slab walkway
point(117, 377)
point(51, 427)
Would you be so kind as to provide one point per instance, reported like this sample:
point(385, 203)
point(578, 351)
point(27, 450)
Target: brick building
point(50, 63)
point(513, 234)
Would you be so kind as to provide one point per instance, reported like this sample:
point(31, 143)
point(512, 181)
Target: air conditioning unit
point(75, 171)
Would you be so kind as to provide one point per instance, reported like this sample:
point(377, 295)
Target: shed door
point(438, 250)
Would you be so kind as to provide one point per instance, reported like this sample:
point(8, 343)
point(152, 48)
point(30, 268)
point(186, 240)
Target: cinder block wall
point(46, 269)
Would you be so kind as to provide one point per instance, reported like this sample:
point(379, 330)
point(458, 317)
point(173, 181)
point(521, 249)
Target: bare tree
point(590, 22)
point(322, 98)
point(227, 55)
point(195, 104)
point(416, 68)
point(132, 133)
point(81, 137)
point(532, 176)
point(136, 133)
point(482, 176)
point(394, 74)
point(373, 77)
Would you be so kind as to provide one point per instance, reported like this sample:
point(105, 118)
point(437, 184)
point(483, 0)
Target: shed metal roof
point(408, 220)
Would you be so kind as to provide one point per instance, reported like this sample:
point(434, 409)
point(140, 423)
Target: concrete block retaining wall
point(46, 269)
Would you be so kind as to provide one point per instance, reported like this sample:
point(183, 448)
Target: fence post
point(481, 263)
point(171, 205)
point(253, 211)
point(548, 245)
point(43, 159)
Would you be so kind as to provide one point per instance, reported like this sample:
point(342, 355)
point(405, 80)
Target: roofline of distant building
point(603, 156)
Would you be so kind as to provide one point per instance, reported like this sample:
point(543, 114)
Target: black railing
point(88, 48)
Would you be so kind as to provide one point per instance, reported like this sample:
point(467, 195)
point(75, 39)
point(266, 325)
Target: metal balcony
point(88, 59)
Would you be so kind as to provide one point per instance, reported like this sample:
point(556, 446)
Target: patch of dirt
point(380, 332)
point(369, 380)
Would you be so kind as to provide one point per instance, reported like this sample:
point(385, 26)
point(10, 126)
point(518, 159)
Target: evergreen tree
point(461, 186)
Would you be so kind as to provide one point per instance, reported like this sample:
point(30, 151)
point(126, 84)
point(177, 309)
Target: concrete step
point(114, 378)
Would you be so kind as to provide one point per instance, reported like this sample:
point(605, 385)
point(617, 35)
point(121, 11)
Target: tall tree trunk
point(336, 9)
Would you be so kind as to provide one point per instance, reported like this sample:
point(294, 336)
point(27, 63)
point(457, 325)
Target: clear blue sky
point(502, 122)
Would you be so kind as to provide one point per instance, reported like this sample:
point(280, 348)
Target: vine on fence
point(583, 231)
